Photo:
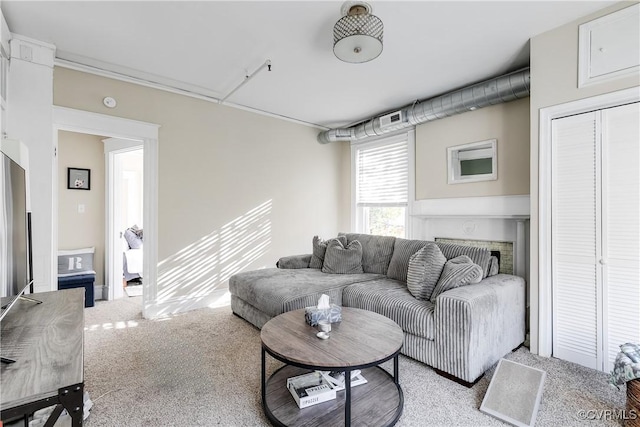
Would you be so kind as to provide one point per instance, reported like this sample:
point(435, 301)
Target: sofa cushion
point(459, 271)
point(343, 260)
point(392, 299)
point(425, 267)
point(402, 251)
point(480, 256)
point(319, 249)
point(376, 251)
point(275, 291)
point(294, 261)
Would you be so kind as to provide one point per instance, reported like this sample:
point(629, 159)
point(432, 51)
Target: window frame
point(358, 217)
point(472, 151)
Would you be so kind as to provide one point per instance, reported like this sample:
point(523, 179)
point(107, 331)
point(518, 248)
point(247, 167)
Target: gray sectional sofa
point(463, 333)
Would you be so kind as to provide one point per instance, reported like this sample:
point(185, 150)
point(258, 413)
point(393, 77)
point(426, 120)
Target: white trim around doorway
point(68, 119)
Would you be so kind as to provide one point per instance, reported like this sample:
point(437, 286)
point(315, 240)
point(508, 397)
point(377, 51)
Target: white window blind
point(382, 175)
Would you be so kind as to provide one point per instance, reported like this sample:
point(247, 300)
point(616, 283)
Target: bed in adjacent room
point(133, 254)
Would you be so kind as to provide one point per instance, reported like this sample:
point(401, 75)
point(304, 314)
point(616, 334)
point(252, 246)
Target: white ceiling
point(209, 46)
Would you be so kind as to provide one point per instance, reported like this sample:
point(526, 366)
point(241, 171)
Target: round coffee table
point(363, 340)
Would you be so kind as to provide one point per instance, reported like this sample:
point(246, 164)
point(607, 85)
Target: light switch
point(80, 208)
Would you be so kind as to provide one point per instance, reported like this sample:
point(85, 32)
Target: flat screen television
point(14, 233)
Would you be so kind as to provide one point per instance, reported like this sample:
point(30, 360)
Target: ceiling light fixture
point(357, 36)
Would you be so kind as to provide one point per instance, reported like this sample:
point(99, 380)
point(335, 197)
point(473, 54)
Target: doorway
point(124, 164)
point(68, 119)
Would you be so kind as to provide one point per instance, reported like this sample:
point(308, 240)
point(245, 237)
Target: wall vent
point(391, 119)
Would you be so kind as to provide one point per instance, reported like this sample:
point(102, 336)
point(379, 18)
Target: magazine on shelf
point(310, 389)
point(337, 378)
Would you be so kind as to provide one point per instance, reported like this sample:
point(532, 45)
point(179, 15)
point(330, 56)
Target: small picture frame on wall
point(78, 179)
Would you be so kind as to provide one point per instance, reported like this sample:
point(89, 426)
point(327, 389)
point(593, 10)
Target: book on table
point(311, 389)
point(337, 378)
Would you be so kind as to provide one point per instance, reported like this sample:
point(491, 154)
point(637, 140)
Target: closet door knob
point(603, 261)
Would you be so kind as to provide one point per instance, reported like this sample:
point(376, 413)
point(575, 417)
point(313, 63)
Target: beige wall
point(81, 230)
point(236, 190)
point(554, 81)
point(345, 224)
point(508, 123)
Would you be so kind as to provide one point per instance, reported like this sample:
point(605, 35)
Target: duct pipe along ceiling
point(512, 86)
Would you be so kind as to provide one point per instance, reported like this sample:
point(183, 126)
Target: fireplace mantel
point(492, 207)
point(472, 216)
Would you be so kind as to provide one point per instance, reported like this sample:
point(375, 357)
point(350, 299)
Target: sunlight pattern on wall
point(206, 265)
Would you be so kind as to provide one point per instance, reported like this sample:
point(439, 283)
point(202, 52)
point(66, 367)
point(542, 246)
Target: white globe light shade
point(357, 48)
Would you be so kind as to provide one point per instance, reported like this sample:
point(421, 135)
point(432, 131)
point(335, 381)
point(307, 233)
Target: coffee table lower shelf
point(379, 402)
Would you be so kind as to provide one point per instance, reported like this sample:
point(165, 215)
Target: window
point(381, 186)
point(472, 162)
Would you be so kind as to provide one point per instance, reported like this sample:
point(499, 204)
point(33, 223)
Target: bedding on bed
point(133, 253)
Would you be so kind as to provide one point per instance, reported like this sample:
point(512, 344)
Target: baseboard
point(217, 298)
point(100, 292)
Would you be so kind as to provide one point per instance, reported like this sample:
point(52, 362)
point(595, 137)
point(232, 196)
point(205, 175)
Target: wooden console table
point(47, 342)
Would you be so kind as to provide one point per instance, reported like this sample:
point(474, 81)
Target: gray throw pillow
point(320, 248)
point(75, 262)
point(132, 239)
point(425, 267)
point(343, 260)
point(457, 272)
point(480, 256)
point(138, 231)
point(402, 251)
point(376, 251)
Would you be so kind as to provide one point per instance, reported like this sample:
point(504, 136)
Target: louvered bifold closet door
point(621, 228)
point(576, 239)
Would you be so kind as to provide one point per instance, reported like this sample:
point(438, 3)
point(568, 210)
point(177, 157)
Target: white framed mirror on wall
point(473, 162)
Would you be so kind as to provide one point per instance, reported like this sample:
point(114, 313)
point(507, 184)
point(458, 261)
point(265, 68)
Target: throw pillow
point(339, 259)
point(132, 239)
point(480, 256)
point(425, 267)
point(138, 231)
point(376, 251)
point(457, 272)
point(75, 262)
point(402, 251)
point(320, 248)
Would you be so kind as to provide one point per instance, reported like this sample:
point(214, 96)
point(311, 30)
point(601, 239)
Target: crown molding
point(112, 71)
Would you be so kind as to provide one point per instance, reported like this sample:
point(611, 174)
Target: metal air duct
point(512, 86)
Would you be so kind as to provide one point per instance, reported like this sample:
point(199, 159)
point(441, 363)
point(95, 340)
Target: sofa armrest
point(478, 324)
point(294, 261)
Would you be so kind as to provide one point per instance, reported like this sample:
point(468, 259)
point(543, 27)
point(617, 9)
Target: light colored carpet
point(202, 368)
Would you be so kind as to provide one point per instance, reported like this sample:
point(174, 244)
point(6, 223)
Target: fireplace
point(501, 249)
point(500, 223)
